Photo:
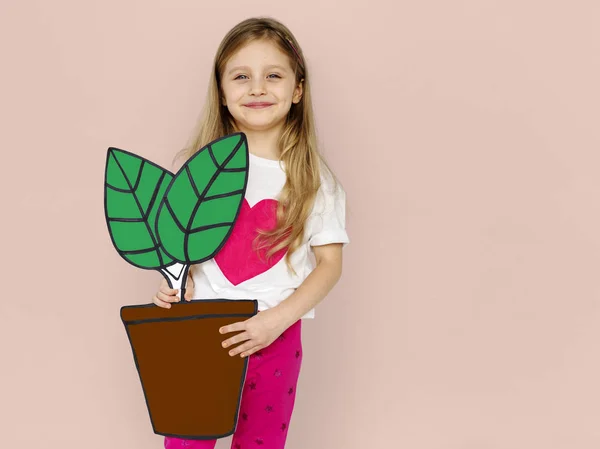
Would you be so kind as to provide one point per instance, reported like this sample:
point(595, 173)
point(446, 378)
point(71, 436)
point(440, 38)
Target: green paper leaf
point(202, 202)
point(133, 190)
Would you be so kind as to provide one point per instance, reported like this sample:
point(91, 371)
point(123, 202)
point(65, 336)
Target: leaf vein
point(223, 195)
point(139, 176)
point(117, 188)
point(191, 178)
point(173, 215)
point(140, 251)
point(211, 226)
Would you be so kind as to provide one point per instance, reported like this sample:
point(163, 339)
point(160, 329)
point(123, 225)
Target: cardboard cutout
point(167, 222)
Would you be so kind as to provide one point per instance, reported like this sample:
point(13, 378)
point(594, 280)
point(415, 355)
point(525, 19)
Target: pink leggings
point(267, 399)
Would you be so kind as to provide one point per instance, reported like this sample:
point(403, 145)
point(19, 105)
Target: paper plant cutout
point(167, 222)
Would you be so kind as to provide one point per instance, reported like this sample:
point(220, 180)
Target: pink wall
point(466, 135)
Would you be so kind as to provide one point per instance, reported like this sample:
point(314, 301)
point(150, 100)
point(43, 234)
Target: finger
point(167, 290)
point(236, 339)
point(243, 348)
point(189, 290)
point(160, 303)
point(239, 326)
point(167, 298)
point(252, 351)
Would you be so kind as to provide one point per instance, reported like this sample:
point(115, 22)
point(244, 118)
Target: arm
point(262, 329)
point(268, 325)
point(316, 286)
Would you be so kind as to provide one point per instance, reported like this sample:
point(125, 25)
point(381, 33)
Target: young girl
point(294, 210)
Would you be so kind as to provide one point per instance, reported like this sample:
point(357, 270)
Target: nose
point(257, 87)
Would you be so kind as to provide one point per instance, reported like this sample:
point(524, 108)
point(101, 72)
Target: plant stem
point(176, 276)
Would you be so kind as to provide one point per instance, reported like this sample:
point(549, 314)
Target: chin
point(260, 125)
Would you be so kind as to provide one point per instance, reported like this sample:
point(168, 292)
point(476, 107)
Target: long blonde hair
point(298, 142)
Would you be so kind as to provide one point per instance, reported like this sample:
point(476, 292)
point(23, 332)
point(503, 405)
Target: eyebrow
point(272, 66)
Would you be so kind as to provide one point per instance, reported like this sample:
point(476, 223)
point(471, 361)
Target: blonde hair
point(297, 144)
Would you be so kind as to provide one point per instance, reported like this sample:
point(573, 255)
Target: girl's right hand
point(166, 295)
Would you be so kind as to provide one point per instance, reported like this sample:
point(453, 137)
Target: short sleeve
point(328, 217)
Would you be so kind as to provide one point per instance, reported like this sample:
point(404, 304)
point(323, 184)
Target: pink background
point(466, 135)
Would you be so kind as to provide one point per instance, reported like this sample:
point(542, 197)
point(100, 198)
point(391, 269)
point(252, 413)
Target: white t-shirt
point(236, 272)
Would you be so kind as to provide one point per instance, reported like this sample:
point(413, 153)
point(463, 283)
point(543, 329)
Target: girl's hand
point(258, 332)
point(165, 295)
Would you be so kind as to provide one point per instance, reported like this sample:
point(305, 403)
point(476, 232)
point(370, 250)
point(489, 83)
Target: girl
point(294, 210)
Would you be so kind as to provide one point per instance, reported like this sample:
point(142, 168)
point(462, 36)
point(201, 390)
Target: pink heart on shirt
point(237, 259)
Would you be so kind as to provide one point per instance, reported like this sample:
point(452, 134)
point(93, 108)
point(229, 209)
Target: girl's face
point(258, 87)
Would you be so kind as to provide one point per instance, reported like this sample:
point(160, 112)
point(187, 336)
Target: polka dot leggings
point(267, 399)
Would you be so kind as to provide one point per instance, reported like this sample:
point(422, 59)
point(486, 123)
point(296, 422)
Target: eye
point(275, 74)
point(237, 77)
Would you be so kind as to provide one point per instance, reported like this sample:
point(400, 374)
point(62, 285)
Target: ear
point(298, 92)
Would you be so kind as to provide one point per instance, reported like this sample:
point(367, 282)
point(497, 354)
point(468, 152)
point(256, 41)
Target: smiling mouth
point(258, 105)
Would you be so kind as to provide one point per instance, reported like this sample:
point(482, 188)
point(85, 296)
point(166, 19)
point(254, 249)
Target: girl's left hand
point(259, 332)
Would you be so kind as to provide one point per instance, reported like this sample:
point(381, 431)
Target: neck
point(264, 143)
